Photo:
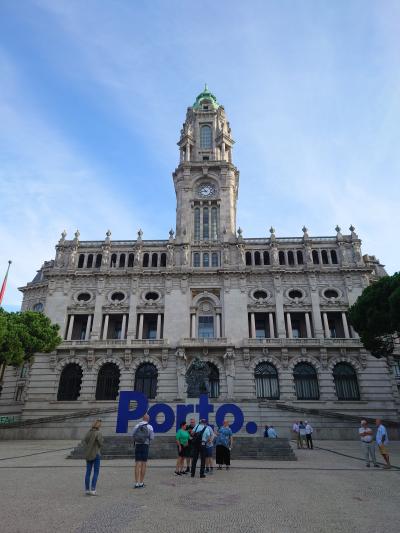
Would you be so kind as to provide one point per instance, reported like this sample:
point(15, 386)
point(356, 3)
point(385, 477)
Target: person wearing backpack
point(143, 434)
point(201, 434)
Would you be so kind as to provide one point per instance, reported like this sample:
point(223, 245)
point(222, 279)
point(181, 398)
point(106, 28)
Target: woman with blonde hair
point(93, 442)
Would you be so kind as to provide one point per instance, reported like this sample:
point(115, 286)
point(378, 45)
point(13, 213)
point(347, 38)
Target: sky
point(93, 95)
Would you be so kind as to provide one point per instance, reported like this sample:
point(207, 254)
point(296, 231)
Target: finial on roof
point(338, 228)
point(77, 234)
point(139, 234)
point(304, 229)
point(108, 235)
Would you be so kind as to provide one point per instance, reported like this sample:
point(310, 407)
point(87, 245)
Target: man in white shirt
point(382, 441)
point(309, 432)
point(367, 443)
point(296, 432)
point(143, 434)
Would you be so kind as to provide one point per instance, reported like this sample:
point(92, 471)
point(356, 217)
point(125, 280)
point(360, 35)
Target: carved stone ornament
point(285, 357)
point(53, 360)
point(90, 359)
point(323, 353)
point(246, 357)
point(197, 378)
point(164, 357)
point(127, 359)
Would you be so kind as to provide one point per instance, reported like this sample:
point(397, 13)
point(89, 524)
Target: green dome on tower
point(206, 95)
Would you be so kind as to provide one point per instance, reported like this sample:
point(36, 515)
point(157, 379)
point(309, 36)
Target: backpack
point(198, 436)
point(141, 435)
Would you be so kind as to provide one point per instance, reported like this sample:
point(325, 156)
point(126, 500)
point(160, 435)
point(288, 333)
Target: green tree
point(376, 315)
point(24, 334)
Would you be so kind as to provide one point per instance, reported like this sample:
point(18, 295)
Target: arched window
point(146, 380)
point(267, 383)
point(146, 260)
point(205, 138)
point(266, 258)
point(213, 381)
point(206, 260)
point(163, 260)
point(113, 261)
point(214, 219)
point(108, 382)
point(99, 259)
point(290, 256)
point(38, 307)
point(306, 382)
point(69, 387)
point(206, 231)
point(334, 257)
point(248, 258)
point(196, 259)
point(300, 260)
point(154, 260)
point(81, 260)
point(324, 256)
point(346, 383)
point(197, 223)
point(131, 259)
point(315, 257)
point(282, 258)
point(122, 261)
point(214, 259)
point(257, 258)
point(89, 263)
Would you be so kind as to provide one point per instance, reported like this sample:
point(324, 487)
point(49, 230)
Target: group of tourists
point(302, 432)
point(369, 442)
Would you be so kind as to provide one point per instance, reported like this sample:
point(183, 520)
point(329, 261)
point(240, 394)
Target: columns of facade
point(252, 325)
point(131, 331)
point(193, 326)
point(187, 153)
point(218, 332)
point(289, 326)
point(140, 332)
point(223, 151)
point(97, 317)
point(326, 325)
point(123, 327)
point(271, 325)
point(308, 326)
point(279, 314)
point(88, 327)
point(316, 315)
point(105, 327)
point(354, 333)
point(70, 327)
point(345, 326)
point(158, 333)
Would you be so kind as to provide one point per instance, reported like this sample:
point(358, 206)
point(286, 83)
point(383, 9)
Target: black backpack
point(198, 436)
point(141, 435)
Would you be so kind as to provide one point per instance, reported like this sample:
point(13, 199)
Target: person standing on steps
point(309, 432)
point(272, 434)
point(182, 441)
point(189, 429)
point(223, 446)
point(382, 441)
point(367, 443)
point(200, 435)
point(302, 434)
point(142, 434)
point(93, 442)
point(296, 433)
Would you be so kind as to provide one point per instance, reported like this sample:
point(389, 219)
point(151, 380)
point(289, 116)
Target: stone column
point(140, 332)
point(218, 332)
point(345, 326)
point(308, 326)
point(326, 325)
point(193, 326)
point(354, 333)
point(223, 151)
point(289, 326)
point(88, 326)
point(271, 325)
point(158, 333)
point(97, 318)
point(70, 327)
point(252, 325)
point(316, 313)
point(279, 313)
point(123, 327)
point(105, 327)
point(187, 151)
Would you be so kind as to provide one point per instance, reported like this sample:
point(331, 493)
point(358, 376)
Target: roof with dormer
point(206, 95)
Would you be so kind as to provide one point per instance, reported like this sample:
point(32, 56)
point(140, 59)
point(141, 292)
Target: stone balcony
point(303, 342)
point(204, 342)
point(115, 343)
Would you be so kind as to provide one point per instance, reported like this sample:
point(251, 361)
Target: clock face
point(206, 190)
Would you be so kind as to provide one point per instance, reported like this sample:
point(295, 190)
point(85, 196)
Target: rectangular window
point(206, 224)
point(261, 332)
point(214, 219)
point(196, 259)
point(332, 328)
point(214, 259)
point(296, 329)
point(197, 223)
point(206, 260)
point(206, 327)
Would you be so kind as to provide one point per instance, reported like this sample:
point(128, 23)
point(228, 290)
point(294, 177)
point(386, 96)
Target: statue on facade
point(185, 255)
point(170, 255)
point(197, 379)
point(242, 253)
point(229, 360)
point(181, 371)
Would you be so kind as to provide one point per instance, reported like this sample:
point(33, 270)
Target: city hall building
point(260, 322)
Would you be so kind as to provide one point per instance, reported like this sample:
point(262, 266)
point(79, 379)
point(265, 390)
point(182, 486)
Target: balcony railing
point(205, 341)
point(338, 342)
point(100, 343)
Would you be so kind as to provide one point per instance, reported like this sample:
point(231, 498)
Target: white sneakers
point(91, 493)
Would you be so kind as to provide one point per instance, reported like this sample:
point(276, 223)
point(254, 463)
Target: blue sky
point(93, 95)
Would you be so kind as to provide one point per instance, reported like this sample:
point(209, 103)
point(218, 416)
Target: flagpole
point(3, 287)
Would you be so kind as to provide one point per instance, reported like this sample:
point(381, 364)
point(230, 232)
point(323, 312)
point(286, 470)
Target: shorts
point(141, 453)
point(383, 449)
point(209, 451)
point(184, 451)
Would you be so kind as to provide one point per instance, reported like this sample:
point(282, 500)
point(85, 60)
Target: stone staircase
point(164, 447)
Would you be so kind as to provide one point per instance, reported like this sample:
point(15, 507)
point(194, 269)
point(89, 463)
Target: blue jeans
point(89, 465)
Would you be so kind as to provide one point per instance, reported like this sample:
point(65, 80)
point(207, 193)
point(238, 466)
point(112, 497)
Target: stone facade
point(206, 292)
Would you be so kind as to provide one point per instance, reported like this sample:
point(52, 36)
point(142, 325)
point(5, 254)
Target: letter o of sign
point(234, 410)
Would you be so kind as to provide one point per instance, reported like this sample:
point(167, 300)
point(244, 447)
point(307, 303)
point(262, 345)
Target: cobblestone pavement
point(42, 491)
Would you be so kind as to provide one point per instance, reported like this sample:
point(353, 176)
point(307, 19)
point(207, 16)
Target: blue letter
point(203, 407)
point(182, 411)
point(124, 414)
point(233, 410)
point(169, 417)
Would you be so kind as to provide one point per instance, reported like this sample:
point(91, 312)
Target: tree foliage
point(24, 334)
point(376, 315)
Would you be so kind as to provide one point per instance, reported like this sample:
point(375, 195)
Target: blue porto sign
point(203, 408)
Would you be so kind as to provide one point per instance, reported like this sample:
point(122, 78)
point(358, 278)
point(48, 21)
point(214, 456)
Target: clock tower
point(206, 182)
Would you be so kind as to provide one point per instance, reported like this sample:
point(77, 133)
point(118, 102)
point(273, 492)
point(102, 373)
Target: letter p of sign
point(125, 414)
